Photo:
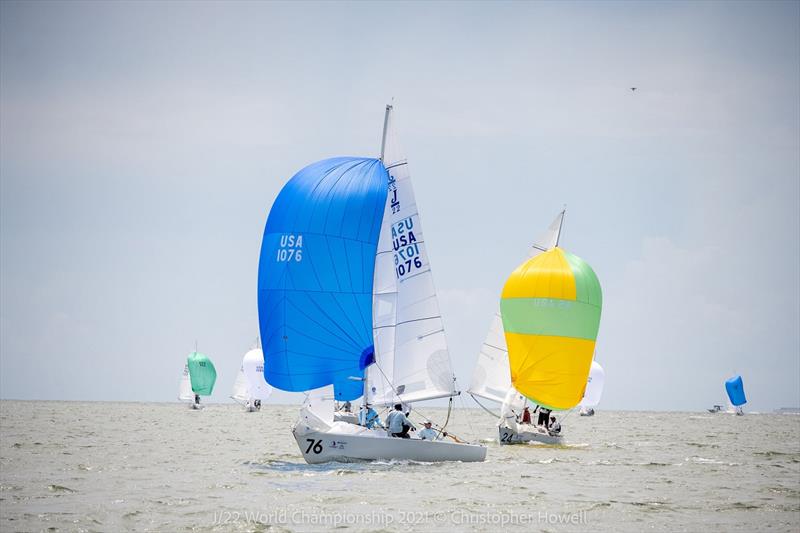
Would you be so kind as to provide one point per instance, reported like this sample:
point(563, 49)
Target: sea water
point(74, 466)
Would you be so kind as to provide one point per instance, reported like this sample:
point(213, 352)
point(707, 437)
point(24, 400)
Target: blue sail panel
point(315, 276)
point(735, 389)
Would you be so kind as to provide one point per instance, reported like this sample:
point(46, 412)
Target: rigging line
point(499, 349)
point(409, 322)
point(464, 407)
point(398, 164)
point(484, 407)
point(416, 410)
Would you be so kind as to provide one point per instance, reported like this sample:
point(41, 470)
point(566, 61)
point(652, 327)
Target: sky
point(143, 143)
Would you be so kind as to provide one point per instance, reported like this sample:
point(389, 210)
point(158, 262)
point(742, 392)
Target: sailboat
point(491, 379)
point(735, 389)
point(199, 376)
point(594, 389)
point(540, 345)
point(348, 309)
point(250, 389)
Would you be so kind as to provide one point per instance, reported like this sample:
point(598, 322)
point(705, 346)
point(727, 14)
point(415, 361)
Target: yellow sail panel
point(548, 275)
point(549, 370)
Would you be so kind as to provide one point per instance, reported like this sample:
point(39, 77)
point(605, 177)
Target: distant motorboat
point(586, 411)
point(715, 409)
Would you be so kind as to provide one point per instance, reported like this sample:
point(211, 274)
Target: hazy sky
point(142, 145)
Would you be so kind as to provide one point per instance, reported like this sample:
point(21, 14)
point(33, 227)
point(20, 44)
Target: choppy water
point(162, 467)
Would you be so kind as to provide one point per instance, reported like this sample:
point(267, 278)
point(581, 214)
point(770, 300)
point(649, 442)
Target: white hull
point(587, 412)
point(346, 443)
point(528, 433)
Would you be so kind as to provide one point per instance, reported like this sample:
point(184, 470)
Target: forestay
point(412, 359)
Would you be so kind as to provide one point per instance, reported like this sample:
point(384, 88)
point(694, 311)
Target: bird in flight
point(633, 89)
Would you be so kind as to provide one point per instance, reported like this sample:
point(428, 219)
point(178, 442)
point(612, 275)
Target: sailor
point(526, 415)
point(368, 417)
point(257, 404)
point(197, 399)
point(544, 416)
point(555, 427)
point(399, 424)
point(347, 407)
point(428, 433)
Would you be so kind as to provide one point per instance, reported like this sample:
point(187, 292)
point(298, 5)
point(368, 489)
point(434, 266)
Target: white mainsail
point(594, 386)
point(240, 392)
point(253, 370)
point(492, 376)
point(412, 362)
point(185, 388)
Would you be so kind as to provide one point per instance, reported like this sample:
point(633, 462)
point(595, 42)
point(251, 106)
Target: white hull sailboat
point(525, 433)
point(491, 379)
point(321, 441)
point(540, 345)
point(250, 389)
point(346, 299)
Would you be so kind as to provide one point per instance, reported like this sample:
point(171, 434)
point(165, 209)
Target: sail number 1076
point(291, 248)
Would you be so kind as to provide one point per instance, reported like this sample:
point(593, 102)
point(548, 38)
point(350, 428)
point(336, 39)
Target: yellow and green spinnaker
point(551, 314)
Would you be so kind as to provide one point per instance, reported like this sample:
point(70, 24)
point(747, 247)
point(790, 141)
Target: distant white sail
point(253, 369)
point(185, 388)
point(240, 392)
point(492, 376)
point(412, 359)
point(594, 386)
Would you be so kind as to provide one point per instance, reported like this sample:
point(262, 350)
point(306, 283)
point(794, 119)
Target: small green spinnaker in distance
point(202, 373)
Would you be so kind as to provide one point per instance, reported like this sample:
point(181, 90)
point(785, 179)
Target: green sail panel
point(202, 373)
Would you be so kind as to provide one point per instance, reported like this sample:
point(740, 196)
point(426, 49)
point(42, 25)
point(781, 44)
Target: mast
point(561, 224)
point(385, 128)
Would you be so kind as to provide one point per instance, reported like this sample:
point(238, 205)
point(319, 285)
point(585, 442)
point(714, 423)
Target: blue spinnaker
point(315, 276)
point(735, 390)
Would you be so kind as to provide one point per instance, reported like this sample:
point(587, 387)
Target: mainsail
point(202, 373)
point(253, 371)
point(240, 392)
point(492, 376)
point(594, 386)
point(551, 315)
point(412, 359)
point(185, 388)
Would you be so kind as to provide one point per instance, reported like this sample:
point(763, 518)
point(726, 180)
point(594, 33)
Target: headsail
point(202, 373)
point(492, 376)
point(316, 273)
point(551, 315)
point(412, 359)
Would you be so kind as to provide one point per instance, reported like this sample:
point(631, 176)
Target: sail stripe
point(550, 316)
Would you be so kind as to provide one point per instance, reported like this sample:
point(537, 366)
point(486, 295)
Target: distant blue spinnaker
point(735, 390)
point(315, 276)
